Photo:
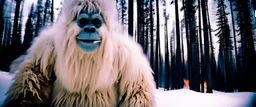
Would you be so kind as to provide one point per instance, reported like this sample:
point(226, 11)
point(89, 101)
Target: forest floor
point(174, 98)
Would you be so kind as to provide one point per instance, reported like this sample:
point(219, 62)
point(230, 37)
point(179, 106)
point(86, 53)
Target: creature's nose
point(89, 29)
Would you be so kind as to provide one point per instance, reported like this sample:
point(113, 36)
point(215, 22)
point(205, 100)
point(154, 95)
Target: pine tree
point(2, 2)
point(47, 13)
point(194, 81)
point(225, 47)
point(39, 18)
point(16, 39)
point(235, 42)
point(248, 55)
point(167, 56)
point(207, 62)
point(29, 30)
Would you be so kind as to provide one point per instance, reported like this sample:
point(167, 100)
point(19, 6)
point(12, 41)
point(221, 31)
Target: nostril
point(93, 30)
point(87, 29)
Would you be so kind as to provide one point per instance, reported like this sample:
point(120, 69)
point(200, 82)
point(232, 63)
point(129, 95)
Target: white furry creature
point(82, 61)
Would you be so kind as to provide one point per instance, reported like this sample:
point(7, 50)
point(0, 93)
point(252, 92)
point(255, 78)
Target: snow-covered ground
point(174, 98)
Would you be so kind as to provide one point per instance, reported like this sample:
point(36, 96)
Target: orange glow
point(205, 84)
point(186, 82)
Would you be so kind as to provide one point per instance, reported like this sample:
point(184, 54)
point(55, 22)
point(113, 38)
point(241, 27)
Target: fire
point(205, 84)
point(186, 82)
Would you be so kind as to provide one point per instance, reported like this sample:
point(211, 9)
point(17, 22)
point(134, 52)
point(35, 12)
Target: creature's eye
point(83, 21)
point(97, 22)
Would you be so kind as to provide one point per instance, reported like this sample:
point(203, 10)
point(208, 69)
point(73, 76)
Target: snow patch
point(173, 98)
point(6, 80)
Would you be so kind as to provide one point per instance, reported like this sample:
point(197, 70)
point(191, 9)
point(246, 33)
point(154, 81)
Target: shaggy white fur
point(116, 74)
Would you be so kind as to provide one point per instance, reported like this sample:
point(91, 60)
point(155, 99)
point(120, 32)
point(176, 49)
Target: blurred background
point(196, 44)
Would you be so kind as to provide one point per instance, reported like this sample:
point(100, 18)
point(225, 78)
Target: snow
point(188, 98)
point(173, 98)
point(5, 81)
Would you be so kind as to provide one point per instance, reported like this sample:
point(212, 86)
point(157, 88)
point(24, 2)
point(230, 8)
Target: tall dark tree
point(9, 26)
point(152, 53)
point(16, 39)
point(2, 2)
point(52, 11)
point(201, 46)
point(182, 50)
point(146, 27)
point(247, 53)
point(19, 31)
point(167, 56)
point(184, 8)
point(130, 17)
point(235, 41)
point(212, 54)
point(140, 22)
point(178, 52)
point(207, 62)
point(123, 11)
point(39, 18)
point(157, 42)
point(194, 81)
point(174, 83)
point(47, 12)
point(16, 32)
point(225, 47)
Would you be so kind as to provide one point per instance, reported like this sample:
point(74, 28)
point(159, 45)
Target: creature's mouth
point(89, 41)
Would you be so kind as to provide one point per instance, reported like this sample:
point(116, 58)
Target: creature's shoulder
point(43, 41)
point(129, 43)
point(127, 47)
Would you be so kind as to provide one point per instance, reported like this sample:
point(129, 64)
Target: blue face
point(89, 39)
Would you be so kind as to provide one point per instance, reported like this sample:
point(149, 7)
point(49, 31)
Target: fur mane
point(74, 67)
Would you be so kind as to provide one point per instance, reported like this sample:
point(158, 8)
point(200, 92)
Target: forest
point(200, 44)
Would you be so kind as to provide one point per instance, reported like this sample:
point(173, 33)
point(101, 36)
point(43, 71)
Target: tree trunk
point(46, 11)
point(207, 62)
point(213, 65)
point(16, 38)
point(2, 2)
point(201, 48)
point(39, 17)
point(247, 46)
point(187, 38)
point(152, 36)
point(172, 73)
point(157, 41)
point(235, 46)
point(130, 19)
point(178, 53)
point(167, 63)
point(194, 80)
point(52, 11)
